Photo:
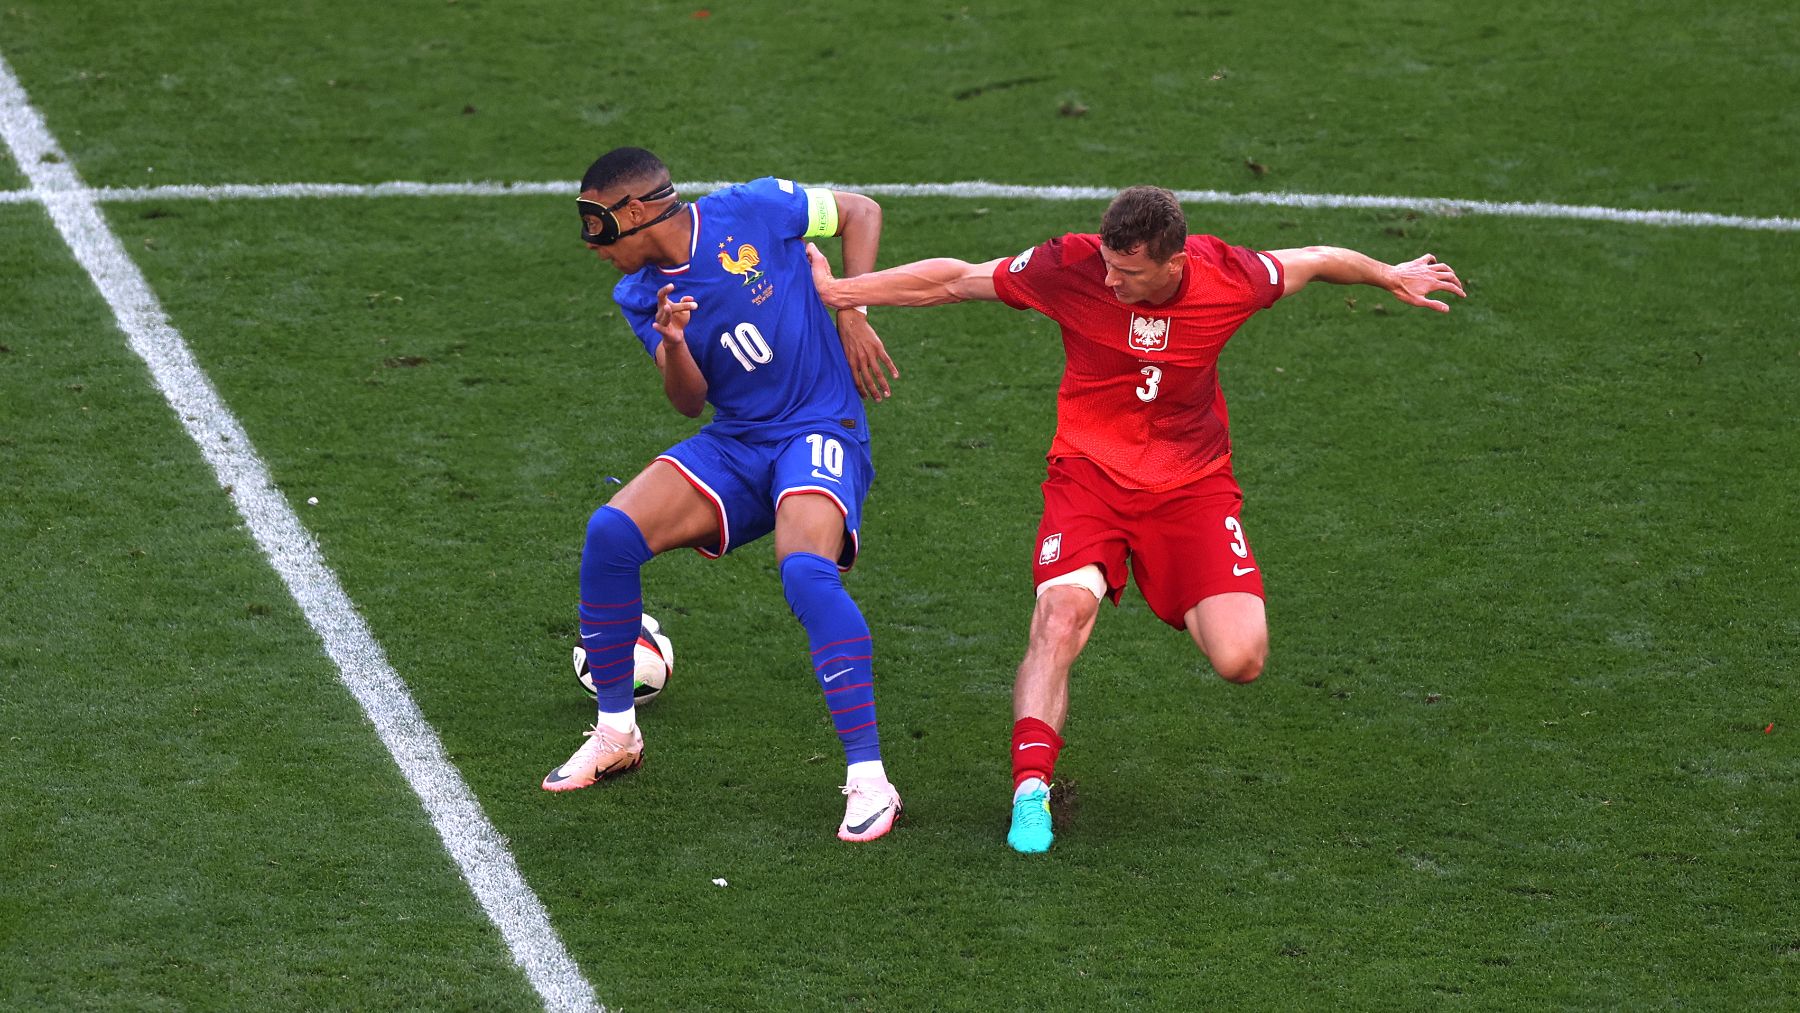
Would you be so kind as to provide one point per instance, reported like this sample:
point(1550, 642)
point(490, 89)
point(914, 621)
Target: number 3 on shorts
point(1239, 547)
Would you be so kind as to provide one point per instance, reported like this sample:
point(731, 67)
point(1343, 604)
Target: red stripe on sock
point(834, 643)
point(627, 645)
point(614, 605)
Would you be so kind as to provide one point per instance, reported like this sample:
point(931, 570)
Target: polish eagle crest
point(1149, 334)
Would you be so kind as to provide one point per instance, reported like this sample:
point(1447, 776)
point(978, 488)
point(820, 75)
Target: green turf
point(1654, 104)
point(196, 815)
point(1531, 566)
point(1497, 676)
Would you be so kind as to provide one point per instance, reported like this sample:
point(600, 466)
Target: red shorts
point(1184, 544)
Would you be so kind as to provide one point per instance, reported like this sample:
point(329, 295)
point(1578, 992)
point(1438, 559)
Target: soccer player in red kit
point(1140, 466)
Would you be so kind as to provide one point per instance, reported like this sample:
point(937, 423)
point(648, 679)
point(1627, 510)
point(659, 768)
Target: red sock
point(1034, 748)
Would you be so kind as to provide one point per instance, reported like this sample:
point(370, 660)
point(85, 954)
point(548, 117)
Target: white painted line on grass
point(1448, 207)
point(478, 849)
point(1442, 206)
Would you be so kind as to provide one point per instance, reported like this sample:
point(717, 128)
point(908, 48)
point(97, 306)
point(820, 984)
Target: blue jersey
point(771, 356)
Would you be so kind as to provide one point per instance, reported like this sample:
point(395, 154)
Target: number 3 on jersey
point(1153, 377)
point(746, 344)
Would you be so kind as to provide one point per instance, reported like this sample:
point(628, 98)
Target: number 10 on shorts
point(827, 453)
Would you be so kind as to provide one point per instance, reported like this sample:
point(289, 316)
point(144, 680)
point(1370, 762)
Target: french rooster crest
point(744, 264)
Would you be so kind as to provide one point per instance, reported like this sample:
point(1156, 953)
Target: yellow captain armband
point(821, 213)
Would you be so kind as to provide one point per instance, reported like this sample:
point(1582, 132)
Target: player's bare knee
point(1059, 623)
point(1063, 614)
point(1240, 664)
point(1240, 670)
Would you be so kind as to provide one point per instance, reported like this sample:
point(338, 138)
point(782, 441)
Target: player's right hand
point(862, 346)
point(1416, 279)
point(866, 354)
point(672, 317)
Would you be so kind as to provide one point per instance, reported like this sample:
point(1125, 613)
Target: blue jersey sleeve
point(781, 203)
point(638, 304)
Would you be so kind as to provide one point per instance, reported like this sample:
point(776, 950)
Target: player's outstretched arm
point(682, 382)
point(921, 283)
point(859, 222)
point(1411, 282)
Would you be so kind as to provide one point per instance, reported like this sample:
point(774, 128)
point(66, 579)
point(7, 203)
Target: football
point(655, 656)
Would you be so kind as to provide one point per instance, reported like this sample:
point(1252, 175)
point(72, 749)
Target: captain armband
point(821, 213)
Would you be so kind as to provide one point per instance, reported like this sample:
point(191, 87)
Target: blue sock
point(842, 655)
point(612, 604)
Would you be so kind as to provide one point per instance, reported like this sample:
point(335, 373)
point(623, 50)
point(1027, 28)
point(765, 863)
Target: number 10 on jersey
point(746, 344)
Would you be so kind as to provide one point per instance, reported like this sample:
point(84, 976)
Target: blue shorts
point(747, 481)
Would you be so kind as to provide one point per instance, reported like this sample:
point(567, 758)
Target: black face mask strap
point(666, 190)
point(609, 224)
point(668, 213)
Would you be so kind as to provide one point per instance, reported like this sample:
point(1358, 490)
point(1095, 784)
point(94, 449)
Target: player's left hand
point(867, 355)
point(1412, 281)
point(672, 317)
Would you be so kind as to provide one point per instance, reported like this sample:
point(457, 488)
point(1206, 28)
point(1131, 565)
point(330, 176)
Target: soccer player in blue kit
point(720, 293)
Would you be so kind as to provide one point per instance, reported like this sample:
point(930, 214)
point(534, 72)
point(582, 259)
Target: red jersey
point(1140, 390)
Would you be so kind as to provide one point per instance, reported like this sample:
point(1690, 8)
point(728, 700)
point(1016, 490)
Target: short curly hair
point(624, 166)
point(1146, 216)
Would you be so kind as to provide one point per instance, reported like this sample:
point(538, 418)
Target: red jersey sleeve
point(1029, 280)
point(1259, 274)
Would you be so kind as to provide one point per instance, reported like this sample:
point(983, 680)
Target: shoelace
point(864, 800)
point(602, 736)
point(1031, 811)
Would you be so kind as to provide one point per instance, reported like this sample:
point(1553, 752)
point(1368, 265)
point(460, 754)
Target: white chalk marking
point(1449, 207)
point(477, 848)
